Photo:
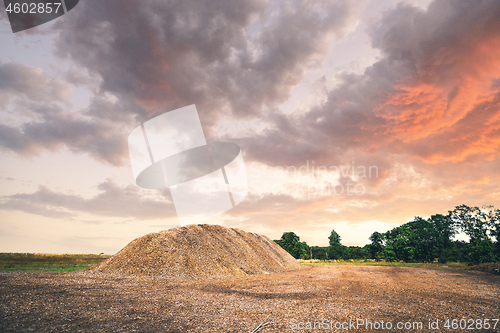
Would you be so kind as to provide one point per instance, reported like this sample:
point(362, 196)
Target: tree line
point(420, 240)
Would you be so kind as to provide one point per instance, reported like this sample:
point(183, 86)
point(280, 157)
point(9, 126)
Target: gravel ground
point(44, 302)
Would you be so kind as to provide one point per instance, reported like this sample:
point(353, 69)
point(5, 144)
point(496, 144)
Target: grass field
point(57, 263)
point(384, 263)
point(63, 263)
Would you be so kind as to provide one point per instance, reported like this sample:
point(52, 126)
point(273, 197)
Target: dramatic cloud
point(38, 117)
point(21, 80)
point(238, 56)
point(426, 112)
point(432, 97)
point(114, 201)
point(53, 128)
point(227, 58)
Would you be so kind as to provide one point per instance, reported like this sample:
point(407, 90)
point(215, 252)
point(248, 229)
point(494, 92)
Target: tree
point(319, 252)
point(335, 250)
point(476, 223)
point(397, 244)
point(305, 251)
point(290, 237)
point(419, 240)
point(377, 245)
point(443, 232)
point(493, 217)
point(334, 238)
point(355, 252)
point(290, 242)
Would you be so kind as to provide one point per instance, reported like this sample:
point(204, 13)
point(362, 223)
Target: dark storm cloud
point(286, 44)
point(21, 80)
point(112, 200)
point(55, 128)
point(426, 92)
point(231, 57)
point(245, 56)
point(116, 112)
point(44, 120)
point(238, 54)
point(81, 78)
point(429, 105)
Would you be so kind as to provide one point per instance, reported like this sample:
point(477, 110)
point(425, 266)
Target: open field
point(64, 263)
point(74, 302)
point(491, 267)
point(457, 265)
point(57, 263)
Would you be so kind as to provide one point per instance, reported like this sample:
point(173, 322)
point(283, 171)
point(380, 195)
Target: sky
point(351, 115)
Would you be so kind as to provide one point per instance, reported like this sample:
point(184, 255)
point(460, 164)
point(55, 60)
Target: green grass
point(57, 263)
point(64, 263)
point(384, 263)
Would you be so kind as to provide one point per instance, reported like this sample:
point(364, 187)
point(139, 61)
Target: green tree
point(291, 243)
point(356, 252)
point(334, 238)
point(443, 232)
point(420, 240)
point(493, 217)
point(320, 252)
point(335, 250)
point(377, 245)
point(477, 224)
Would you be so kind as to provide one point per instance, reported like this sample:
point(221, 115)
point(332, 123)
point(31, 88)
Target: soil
point(44, 302)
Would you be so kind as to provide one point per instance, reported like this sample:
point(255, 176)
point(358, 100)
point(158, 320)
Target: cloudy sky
point(351, 115)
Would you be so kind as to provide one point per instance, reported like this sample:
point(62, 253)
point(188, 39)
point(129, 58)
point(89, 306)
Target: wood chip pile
point(198, 251)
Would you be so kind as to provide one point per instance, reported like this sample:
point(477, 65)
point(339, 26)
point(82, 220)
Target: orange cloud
point(451, 111)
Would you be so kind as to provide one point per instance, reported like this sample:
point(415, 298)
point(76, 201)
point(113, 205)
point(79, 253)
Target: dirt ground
point(44, 302)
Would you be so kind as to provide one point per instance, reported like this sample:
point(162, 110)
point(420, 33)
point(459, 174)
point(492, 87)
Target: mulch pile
point(198, 251)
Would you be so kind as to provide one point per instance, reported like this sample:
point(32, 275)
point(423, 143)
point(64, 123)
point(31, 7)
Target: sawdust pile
point(198, 251)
